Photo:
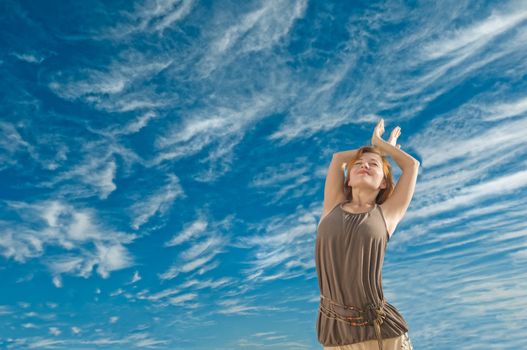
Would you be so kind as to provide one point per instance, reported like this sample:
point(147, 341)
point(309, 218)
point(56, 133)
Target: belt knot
point(375, 312)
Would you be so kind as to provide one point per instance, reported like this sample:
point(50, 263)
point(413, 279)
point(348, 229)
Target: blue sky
point(163, 165)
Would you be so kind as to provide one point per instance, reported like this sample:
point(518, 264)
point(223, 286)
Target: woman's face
point(367, 171)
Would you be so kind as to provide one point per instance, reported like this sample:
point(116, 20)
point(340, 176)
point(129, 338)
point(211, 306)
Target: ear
point(383, 184)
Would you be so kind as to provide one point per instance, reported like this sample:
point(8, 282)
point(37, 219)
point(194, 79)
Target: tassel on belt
point(371, 315)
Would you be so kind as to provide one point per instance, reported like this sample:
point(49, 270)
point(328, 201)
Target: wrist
point(382, 146)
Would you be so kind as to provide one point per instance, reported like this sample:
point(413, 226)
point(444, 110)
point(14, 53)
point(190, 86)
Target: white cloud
point(112, 89)
point(5, 310)
point(256, 31)
point(160, 18)
point(149, 17)
point(194, 229)
point(137, 124)
point(46, 343)
point(75, 231)
point(111, 258)
point(57, 281)
point(21, 246)
point(200, 254)
point(29, 57)
point(159, 202)
point(136, 277)
point(506, 110)
point(186, 267)
point(475, 36)
point(54, 331)
point(11, 143)
point(182, 298)
point(93, 174)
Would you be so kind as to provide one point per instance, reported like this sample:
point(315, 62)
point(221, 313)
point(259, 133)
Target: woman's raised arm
point(396, 205)
point(334, 186)
point(403, 159)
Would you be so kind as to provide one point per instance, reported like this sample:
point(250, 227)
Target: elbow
point(415, 162)
point(337, 157)
point(412, 166)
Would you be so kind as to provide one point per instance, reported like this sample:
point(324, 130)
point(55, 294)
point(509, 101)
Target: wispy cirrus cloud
point(157, 203)
point(475, 36)
point(257, 30)
point(160, 15)
point(149, 18)
point(112, 88)
point(203, 241)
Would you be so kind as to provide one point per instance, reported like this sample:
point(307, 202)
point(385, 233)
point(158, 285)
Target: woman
point(357, 222)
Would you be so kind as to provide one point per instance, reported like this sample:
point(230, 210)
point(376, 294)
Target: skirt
point(401, 342)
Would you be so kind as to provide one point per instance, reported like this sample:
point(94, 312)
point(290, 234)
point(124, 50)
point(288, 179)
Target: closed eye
point(358, 163)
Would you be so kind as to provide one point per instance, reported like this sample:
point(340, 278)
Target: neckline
point(349, 212)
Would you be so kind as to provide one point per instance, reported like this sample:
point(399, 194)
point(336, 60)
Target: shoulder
point(326, 213)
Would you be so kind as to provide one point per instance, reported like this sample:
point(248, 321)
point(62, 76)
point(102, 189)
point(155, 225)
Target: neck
point(362, 204)
point(363, 198)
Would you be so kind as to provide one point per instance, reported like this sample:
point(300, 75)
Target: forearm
point(345, 156)
point(403, 159)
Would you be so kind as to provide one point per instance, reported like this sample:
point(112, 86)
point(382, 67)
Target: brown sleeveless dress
point(349, 254)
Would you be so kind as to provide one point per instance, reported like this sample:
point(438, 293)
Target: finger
point(398, 146)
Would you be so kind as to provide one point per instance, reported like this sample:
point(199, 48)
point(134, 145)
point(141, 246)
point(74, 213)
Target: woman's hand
point(376, 138)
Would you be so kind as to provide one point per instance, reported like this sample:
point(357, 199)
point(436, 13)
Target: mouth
point(363, 172)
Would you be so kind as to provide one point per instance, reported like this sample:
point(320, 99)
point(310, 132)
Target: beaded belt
point(372, 315)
